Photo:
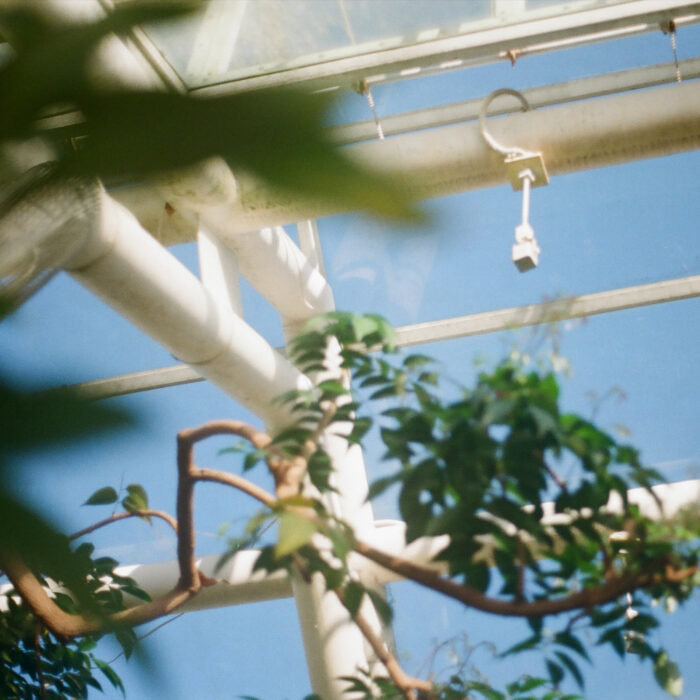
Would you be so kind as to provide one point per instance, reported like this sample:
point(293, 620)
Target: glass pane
point(233, 39)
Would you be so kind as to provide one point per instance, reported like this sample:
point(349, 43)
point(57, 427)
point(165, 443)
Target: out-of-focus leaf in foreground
point(39, 421)
point(277, 135)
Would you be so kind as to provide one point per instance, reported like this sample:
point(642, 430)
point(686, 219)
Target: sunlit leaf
point(294, 532)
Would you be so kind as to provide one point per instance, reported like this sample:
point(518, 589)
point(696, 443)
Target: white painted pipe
point(135, 275)
point(268, 258)
point(451, 159)
point(240, 585)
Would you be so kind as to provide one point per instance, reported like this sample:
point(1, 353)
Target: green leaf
point(251, 459)
point(571, 665)
point(667, 675)
point(569, 640)
point(137, 499)
point(352, 597)
point(384, 610)
point(294, 532)
point(103, 496)
point(555, 671)
point(110, 674)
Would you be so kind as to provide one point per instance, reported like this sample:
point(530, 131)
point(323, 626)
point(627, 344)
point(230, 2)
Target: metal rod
point(434, 331)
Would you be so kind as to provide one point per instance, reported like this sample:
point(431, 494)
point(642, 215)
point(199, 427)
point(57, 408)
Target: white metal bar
point(444, 329)
point(544, 96)
point(310, 244)
point(439, 162)
point(216, 40)
point(483, 43)
point(548, 312)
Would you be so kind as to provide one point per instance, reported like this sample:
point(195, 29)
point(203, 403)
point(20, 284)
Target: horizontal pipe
point(439, 162)
point(537, 97)
point(237, 583)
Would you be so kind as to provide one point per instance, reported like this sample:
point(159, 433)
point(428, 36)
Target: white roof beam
point(438, 162)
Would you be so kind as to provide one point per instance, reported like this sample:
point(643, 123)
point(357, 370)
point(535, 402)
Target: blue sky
point(598, 230)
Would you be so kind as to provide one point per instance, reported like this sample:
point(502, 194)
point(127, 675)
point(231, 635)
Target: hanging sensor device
point(525, 170)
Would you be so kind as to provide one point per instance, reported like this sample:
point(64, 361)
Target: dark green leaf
point(555, 671)
point(352, 597)
point(102, 497)
point(667, 675)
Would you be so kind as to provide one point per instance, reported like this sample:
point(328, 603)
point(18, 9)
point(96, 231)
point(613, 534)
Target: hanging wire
point(370, 101)
point(670, 29)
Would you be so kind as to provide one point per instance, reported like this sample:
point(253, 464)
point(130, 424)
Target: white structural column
point(280, 271)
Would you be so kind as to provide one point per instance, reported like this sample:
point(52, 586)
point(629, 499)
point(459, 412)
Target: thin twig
point(142, 513)
point(405, 683)
point(237, 482)
point(37, 656)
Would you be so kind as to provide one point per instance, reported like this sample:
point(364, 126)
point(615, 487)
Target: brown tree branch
point(474, 598)
point(257, 438)
point(123, 516)
point(403, 681)
point(66, 626)
point(185, 512)
point(237, 482)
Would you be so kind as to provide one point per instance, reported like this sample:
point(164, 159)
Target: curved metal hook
point(508, 151)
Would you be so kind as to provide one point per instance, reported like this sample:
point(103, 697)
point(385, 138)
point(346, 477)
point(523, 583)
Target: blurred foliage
point(129, 133)
point(132, 132)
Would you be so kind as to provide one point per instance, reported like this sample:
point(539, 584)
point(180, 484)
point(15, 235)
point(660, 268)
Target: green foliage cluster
point(477, 464)
point(35, 664)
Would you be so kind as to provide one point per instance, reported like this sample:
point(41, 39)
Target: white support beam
point(438, 162)
point(444, 329)
point(218, 270)
point(215, 41)
point(268, 258)
point(136, 276)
